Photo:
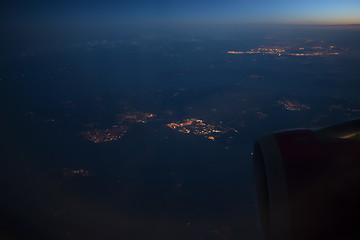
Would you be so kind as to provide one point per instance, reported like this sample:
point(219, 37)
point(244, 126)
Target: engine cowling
point(308, 183)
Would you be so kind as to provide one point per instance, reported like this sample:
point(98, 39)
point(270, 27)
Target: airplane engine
point(308, 183)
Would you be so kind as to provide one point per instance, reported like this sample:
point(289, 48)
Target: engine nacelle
point(308, 183)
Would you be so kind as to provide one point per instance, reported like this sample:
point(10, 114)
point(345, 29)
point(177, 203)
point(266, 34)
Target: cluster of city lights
point(292, 51)
point(105, 135)
point(292, 105)
point(199, 127)
point(76, 172)
point(117, 131)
